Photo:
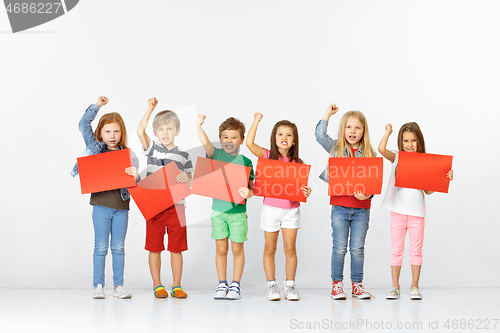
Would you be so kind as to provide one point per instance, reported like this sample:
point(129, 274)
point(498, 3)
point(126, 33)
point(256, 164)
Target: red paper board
point(220, 180)
point(281, 180)
point(105, 171)
point(424, 171)
point(159, 191)
point(348, 175)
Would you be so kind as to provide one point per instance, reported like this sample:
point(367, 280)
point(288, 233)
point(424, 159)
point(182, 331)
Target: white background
point(433, 62)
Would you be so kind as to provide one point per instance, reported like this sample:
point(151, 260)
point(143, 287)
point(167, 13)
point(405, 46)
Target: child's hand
point(360, 196)
point(257, 117)
point(332, 109)
point(200, 120)
point(152, 102)
point(132, 171)
point(388, 128)
point(245, 193)
point(182, 177)
point(101, 101)
point(450, 175)
point(307, 191)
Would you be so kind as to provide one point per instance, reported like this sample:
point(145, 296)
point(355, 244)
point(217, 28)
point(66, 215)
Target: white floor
point(74, 310)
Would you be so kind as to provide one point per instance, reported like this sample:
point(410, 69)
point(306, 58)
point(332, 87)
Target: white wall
point(433, 62)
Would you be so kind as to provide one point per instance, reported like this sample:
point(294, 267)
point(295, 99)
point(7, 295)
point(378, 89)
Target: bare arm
point(209, 148)
point(332, 109)
point(382, 147)
point(255, 148)
point(141, 130)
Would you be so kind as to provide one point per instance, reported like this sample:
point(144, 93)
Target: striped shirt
point(159, 156)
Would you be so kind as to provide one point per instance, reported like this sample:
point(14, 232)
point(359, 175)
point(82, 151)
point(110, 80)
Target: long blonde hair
point(364, 142)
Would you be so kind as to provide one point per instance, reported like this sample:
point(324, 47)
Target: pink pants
point(415, 226)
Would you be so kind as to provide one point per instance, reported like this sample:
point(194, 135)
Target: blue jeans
point(345, 221)
point(114, 222)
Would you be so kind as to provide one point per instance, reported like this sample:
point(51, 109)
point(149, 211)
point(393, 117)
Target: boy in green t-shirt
point(229, 220)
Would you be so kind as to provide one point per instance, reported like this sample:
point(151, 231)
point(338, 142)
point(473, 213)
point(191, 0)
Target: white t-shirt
point(402, 200)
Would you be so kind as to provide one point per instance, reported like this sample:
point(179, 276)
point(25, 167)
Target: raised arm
point(321, 136)
point(209, 148)
point(332, 109)
point(255, 148)
point(88, 117)
point(382, 147)
point(141, 130)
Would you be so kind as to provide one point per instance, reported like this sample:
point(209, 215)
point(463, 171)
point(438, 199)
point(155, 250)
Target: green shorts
point(233, 226)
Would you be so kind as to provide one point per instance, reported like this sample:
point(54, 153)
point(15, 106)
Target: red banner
point(105, 171)
point(424, 171)
point(158, 191)
point(220, 180)
point(348, 175)
point(282, 180)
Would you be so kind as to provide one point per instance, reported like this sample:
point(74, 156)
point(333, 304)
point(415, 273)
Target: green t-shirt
point(227, 206)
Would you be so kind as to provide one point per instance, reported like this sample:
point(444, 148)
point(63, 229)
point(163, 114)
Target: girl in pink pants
point(407, 208)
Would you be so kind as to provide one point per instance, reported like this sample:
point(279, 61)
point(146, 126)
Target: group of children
point(349, 215)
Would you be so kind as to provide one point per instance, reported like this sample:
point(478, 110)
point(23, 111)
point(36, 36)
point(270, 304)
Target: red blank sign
point(282, 180)
point(424, 171)
point(105, 171)
point(159, 191)
point(352, 174)
point(220, 180)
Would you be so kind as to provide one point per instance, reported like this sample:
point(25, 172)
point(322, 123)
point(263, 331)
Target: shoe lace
point(274, 289)
point(338, 288)
point(358, 289)
point(290, 290)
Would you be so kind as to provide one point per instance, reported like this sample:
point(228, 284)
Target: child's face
point(166, 134)
point(410, 143)
point(231, 141)
point(111, 135)
point(354, 130)
point(284, 137)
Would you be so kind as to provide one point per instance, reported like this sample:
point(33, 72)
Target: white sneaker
point(99, 292)
point(291, 293)
point(415, 293)
point(121, 293)
point(393, 293)
point(221, 291)
point(234, 292)
point(273, 293)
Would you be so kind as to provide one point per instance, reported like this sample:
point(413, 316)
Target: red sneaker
point(338, 290)
point(359, 292)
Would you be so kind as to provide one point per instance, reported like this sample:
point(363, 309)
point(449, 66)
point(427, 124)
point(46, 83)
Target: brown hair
point(294, 149)
point(108, 118)
point(364, 142)
point(164, 117)
point(234, 125)
point(415, 129)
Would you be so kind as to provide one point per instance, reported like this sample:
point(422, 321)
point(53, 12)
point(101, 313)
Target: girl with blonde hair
point(351, 213)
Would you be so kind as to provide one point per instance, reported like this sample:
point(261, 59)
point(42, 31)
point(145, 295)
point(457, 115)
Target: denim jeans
point(345, 221)
point(114, 222)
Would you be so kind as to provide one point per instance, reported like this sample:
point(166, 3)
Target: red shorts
point(173, 221)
